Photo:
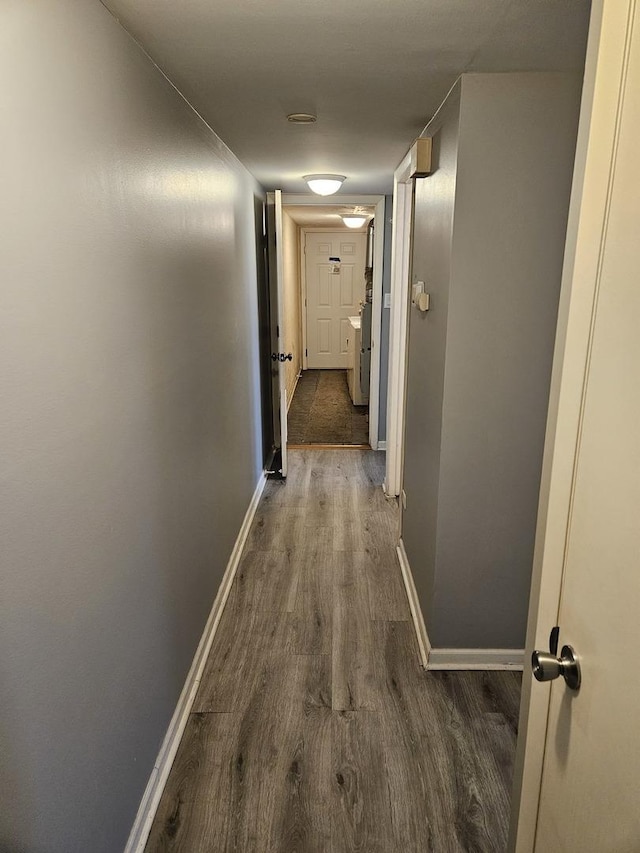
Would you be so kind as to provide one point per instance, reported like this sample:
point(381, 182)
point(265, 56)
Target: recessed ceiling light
point(302, 118)
point(352, 221)
point(324, 184)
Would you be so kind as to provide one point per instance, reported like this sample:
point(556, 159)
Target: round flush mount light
point(302, 118)
point(324, 184)
point(352, 221)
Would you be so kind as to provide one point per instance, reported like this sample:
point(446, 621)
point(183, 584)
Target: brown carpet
point(322, 412)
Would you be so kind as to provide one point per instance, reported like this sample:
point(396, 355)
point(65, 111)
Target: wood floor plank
point(278, 528)
point(413, 826)
point(309, 625)
point(288, 492)
point(354, 654)
point(502, 691)
point(267, 580)
point(278, 795)
point(386, 590)
point(319, 502)
point(361, 819)
point(349, 532)
point(372, 467)
point(478, 825)
point(302, 821)
point(414, 716)
point(246, 642)
point(483, 743)
point(347, 498)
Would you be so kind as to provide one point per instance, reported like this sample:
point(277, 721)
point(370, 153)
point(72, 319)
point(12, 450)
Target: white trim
point(310, 200)
point(302, 242)
point(376, 322)
point(480, 659)
point(424, 647)
point(290, 400)
point(382, 445)
point(160, 773)
point(398, 323)
point(331, 229)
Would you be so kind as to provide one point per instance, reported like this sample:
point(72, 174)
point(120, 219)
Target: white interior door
point(276, 293)
point(590, 786)
point(334, 274)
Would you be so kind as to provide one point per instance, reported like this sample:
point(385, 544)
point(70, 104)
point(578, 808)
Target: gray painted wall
point(129, 424)
point(386, 316)
point(433, 223)
point(489, 241)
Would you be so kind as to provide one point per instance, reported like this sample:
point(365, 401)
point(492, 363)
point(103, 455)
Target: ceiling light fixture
point(352, 221)
point(324, 184)
point(302, 118)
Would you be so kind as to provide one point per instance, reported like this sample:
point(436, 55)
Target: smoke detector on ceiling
point(302, 118)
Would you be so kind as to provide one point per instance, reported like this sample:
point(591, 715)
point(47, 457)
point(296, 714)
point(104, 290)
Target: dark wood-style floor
point(315, 730)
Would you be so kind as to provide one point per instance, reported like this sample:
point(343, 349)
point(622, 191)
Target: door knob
point(547, 666)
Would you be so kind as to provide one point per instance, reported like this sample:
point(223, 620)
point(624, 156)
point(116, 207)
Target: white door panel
point(347, 285)
point(324, 336)
point(591, 769)
point(334, 292)
point(323, 298)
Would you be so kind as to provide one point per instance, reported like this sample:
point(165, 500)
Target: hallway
point(315, 729)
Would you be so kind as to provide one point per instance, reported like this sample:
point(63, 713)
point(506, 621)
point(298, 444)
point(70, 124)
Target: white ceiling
point(374, 71)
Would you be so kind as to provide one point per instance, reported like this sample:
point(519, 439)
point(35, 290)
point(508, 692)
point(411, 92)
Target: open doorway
point(331, 320)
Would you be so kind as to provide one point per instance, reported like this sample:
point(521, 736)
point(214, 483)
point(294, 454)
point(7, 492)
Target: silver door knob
point(547, 666)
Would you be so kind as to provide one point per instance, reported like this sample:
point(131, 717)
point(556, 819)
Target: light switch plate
point(387, 300)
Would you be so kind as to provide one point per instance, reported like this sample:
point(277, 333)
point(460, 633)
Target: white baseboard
point(382, 445)
point(482, 659)
point(433, 658)
point(295, 385)
point(158, 779)
point(414, 605)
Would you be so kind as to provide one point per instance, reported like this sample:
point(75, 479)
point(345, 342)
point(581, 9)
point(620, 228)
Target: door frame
point(264, 334)
point(276, 322)
point(605, 68)
point(376, 308)
point(302, 260)
point(304, 230)
point(401, 243)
